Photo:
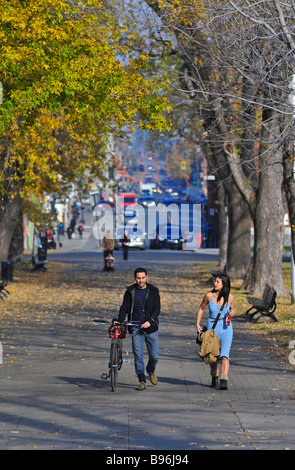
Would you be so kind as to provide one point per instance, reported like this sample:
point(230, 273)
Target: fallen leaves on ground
point(75, 294)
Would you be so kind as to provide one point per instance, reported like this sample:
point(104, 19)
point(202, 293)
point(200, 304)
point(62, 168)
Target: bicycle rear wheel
point(114, 364)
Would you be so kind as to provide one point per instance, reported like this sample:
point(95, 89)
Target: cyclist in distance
point(141, 303)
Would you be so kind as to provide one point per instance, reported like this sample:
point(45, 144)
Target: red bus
point(127, 199)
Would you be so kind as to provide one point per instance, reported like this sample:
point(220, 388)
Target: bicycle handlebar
point(107, 322)
point(101, 322)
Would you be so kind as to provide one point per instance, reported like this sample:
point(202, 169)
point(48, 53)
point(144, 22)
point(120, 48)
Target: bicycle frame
point(117, 332)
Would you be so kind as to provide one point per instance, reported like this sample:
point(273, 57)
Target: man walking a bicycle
point(141, 303)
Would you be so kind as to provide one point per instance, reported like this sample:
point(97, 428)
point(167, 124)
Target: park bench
point(3, 292)
point(39, 260)
point(7, 271)
point(264, 306)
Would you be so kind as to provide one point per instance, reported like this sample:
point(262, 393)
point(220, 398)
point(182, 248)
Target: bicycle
point(117, 332)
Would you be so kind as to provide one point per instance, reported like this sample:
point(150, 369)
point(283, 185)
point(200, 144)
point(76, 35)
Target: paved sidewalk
point(76, 243)
point(52, 395)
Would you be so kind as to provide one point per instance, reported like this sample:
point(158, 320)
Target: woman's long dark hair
point(225, 287)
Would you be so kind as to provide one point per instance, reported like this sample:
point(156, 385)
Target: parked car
point(167, 200)
point(137, 238)
point(168, 236)
point(146, 200)
point(100, 204)
point(129, 217)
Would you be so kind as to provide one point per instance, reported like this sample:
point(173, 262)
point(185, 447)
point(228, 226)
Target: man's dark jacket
point(152, 306)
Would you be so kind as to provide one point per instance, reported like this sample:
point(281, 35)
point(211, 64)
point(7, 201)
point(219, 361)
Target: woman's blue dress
point(224, 333)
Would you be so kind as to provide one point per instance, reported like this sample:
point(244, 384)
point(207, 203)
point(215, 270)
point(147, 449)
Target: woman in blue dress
point(215, 299)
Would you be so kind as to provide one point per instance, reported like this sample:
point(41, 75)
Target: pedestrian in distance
point(125, 244)
point(60, 234)
point(69, 232)
point(73, 224)
point(215, 299)
point(141, 303)
point(80, 229)
point(109, 262)
point(108, 244)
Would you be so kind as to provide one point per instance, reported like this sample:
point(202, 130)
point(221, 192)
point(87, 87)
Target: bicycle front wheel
point(114, 364)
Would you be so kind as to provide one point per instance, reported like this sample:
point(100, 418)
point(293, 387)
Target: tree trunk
point(289, 186)
point(239, 235)
point(9, 217)
point(222, 226)
point(268, 245)
point(268, 216)
point(16, 246)
point(239, 220)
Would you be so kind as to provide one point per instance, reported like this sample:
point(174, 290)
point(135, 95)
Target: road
point(147, 258)
point(86, 250)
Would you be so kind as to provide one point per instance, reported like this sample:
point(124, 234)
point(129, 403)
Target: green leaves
point(65, 87)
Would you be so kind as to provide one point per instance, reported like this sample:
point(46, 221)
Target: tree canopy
point(68, 82)
point(237, 68)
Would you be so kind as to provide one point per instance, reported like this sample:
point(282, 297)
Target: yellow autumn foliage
point(68, 82)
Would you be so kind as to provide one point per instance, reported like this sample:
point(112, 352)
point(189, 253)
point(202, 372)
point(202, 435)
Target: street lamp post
point(292, 275)
point(292, 259)
point(292, 228)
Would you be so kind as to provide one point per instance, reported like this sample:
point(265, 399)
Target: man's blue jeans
point(140, 337)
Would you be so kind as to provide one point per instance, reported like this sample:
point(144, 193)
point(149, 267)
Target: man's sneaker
point(153, 379)
point(141, 386)
point(223, 384)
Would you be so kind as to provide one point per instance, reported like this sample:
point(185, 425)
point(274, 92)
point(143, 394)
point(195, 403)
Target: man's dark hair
point(140, 270)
